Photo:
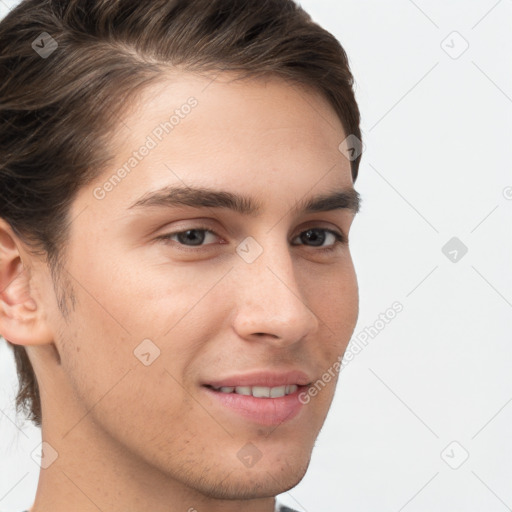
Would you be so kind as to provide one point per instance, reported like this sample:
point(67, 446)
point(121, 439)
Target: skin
point(151, 432)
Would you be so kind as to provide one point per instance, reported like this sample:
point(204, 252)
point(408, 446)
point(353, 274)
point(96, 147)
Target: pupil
point(312, 236)
point(186, 237)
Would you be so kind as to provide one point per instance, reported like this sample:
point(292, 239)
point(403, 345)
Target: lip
point(263, 378)
point(264, 411)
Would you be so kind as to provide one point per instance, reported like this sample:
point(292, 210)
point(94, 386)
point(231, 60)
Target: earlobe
point(22, 321)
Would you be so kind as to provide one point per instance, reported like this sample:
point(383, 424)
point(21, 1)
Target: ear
point(22, 321)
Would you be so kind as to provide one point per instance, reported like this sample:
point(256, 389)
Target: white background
point(438, 134)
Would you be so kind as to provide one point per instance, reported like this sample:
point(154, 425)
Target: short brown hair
point(57, 110)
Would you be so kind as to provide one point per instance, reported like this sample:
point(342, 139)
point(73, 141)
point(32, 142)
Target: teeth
point(260, 391)
point(243, 390)
point(291, 389)
point(277, 392)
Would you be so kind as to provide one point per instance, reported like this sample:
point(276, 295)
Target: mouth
point(258, 391)
point(263, 398)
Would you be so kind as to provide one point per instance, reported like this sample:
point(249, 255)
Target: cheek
point(136, 318)
point(95, 355)
point(151, 300)
point(336, 301)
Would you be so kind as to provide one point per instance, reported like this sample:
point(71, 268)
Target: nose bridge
point(270, 300)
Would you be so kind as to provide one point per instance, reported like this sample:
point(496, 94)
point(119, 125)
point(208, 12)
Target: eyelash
point(340, 238)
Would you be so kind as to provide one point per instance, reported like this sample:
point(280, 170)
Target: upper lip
point(263, 378)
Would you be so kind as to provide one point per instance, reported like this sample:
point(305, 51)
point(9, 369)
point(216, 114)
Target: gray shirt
point(279, 508)
point(283, 508)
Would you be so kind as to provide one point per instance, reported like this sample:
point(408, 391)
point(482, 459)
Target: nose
point(271, 304)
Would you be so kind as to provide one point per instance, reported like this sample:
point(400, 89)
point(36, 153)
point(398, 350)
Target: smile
point(259, 391)
point(268, 406)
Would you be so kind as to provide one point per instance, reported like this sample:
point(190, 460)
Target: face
point(180, 288)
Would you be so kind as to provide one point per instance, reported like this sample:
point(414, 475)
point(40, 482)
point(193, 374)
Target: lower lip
point(265, 411)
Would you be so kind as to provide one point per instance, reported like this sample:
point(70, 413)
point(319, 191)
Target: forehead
point(251, 136)
point(251, 112)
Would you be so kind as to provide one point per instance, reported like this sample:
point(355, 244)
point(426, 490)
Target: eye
point(190, 237)
point(317, 237)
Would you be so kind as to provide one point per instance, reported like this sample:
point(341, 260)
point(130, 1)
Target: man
point(177, 190)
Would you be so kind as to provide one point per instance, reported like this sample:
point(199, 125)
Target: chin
point(253, 484)
point(260, 481)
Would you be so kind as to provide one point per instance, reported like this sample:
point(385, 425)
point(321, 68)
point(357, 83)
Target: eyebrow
point(200, 197)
